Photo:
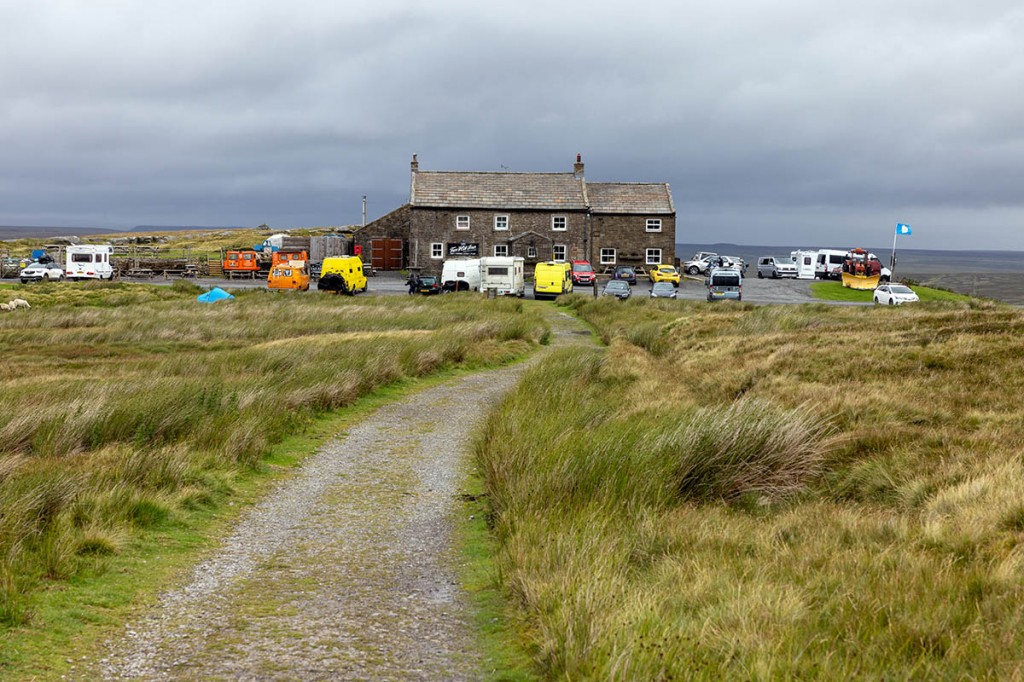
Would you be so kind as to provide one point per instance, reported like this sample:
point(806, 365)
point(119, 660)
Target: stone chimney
point(577, 168)
point(415, 165)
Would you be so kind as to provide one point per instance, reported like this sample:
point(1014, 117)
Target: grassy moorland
point(130, 411)
point(741, 492)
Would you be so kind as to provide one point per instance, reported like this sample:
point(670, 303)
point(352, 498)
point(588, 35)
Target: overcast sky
point(786, 122)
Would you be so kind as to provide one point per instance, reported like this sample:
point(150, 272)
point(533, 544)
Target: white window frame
point(554, 251)
point(459, 222)
point(499, 219)
point(608, 256)
point(437, 250)
point(531, 251)
point(503, 250)
point(654, 224)
point(554, 224)
point(648, 257)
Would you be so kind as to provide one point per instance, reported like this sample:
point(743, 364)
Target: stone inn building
point(539, 216)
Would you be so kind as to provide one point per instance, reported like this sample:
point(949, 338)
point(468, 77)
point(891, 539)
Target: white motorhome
point(503, 274)
point(461, 274)
point(88, 261)
point(829, 264)
point(806, 262)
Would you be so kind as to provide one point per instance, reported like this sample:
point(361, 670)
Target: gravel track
point(346, 570)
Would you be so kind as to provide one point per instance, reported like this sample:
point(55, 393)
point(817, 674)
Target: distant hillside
point(33, 232)
point(181, 228)
point(10, 232)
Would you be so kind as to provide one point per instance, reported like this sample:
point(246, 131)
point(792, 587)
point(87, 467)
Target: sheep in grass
point(6, 307)
point(19, 303)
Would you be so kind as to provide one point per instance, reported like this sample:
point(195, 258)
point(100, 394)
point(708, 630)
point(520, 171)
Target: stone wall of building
point(430, 226)
point(628, 236)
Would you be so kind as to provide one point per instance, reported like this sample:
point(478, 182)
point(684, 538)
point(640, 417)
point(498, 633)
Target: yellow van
point(342, 275)
point(552, 279)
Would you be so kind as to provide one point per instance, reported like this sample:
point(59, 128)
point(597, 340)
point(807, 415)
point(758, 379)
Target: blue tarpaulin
point(213, 295)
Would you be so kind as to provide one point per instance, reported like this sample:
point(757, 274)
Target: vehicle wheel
point(24, 281)
point(61, 278)
point(775, 274)
point(693, 270)
point(892, 302)
point(46, 277)
point(760, 275)
point(876, 300)
point(740, 297)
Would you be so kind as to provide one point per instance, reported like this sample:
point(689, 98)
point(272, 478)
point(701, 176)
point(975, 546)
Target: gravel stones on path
point(346, 570)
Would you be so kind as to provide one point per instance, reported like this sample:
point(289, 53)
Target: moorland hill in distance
point(42, 232)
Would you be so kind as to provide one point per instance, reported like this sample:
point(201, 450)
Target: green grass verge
point(835, 291)
point(502, 649)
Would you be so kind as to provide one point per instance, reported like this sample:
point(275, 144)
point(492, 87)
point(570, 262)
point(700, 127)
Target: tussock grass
point(130, 407)
point(767, 492)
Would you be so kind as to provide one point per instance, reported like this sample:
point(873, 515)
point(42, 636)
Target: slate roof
point(630, 197)
point(461, 189)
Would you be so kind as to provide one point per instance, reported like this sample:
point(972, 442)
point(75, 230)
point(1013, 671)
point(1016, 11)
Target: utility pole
point(364, 210)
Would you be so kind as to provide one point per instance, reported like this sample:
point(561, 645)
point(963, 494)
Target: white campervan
point(461, 274)
point(505, 275)
point(805, 263)
point(89, 261)
point(829, 264)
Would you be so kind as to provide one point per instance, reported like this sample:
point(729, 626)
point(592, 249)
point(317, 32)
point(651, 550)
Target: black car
point(429, 285)
point(626, 273)
point(618, 288)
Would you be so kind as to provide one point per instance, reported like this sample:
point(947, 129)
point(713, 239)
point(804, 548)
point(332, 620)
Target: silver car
point(776, 266)
point(663, 290)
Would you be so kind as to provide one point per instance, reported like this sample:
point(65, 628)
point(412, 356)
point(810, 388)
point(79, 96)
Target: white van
point(89, 261)
point(461, 274)
point(506, 275)
point(829, 264)
point(806, 262)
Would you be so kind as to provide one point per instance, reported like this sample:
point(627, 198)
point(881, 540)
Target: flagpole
point(892, 261)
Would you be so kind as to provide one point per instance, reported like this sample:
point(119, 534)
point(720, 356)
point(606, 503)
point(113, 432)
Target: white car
point(36, 272)
point(894, 294)
point(702, 266)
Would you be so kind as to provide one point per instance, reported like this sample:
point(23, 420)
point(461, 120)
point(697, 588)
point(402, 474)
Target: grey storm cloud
point(786, 122)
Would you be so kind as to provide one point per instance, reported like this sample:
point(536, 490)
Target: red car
point(582, 273)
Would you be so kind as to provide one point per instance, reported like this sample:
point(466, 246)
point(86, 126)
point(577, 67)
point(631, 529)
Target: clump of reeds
point(748, 446)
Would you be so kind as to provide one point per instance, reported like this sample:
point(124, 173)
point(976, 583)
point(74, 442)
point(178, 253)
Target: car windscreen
point(663, 286)
point(581, 267)
point(725, 281)
point(900, 289)
point(612, 286)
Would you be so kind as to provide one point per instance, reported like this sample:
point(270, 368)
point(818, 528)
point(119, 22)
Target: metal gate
point(386, 254)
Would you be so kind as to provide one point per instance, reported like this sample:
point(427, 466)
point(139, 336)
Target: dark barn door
point(386, 254)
